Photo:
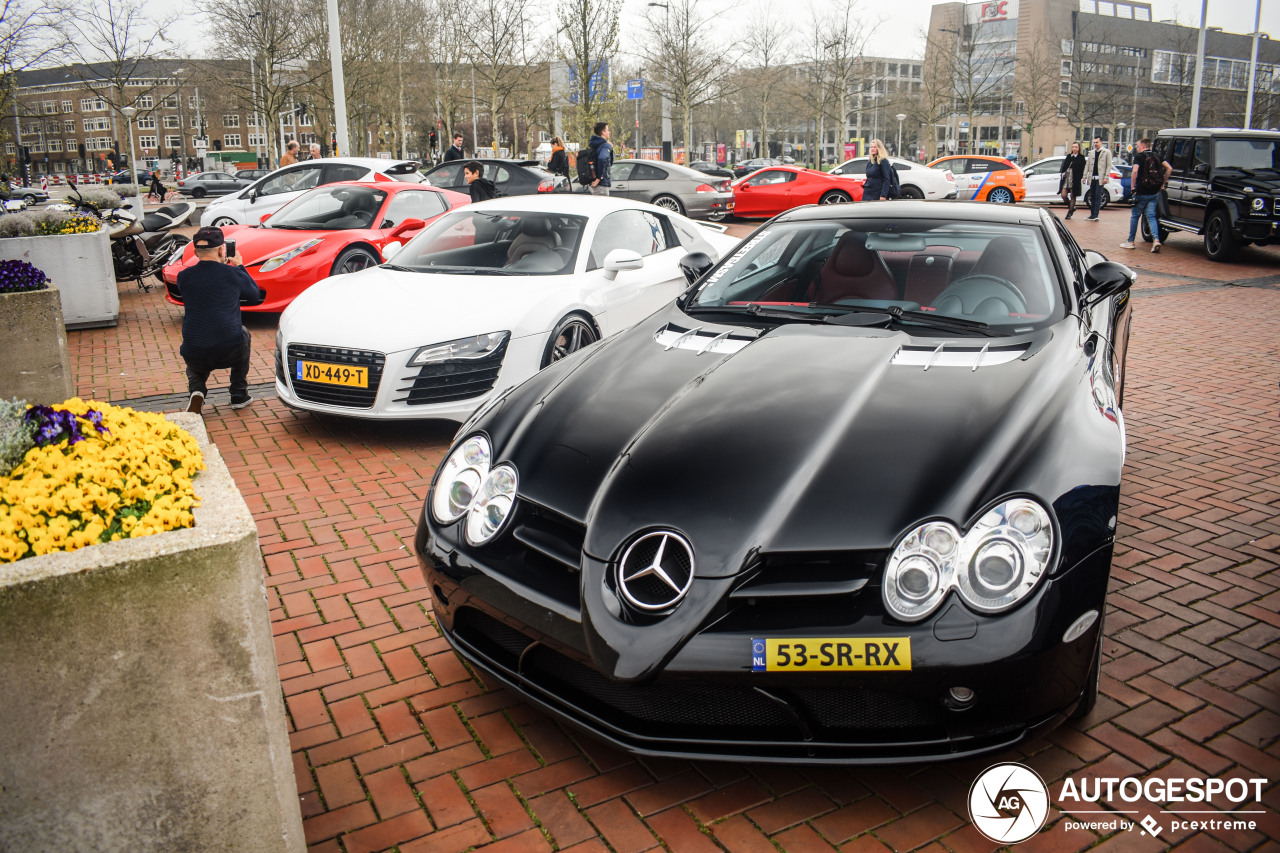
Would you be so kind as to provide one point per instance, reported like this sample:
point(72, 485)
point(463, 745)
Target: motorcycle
point(139, 248)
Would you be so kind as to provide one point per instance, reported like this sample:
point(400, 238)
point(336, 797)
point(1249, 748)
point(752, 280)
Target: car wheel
point(1091, 684)
point(1219, 243)
point(912, 192)
point(571, 334)
point(224, 221)
point(353, 260)
point(29, 199)
point(669, 202)
point(1000, 195)
point(836, 197)
point(1146, 231)
point(199, 192)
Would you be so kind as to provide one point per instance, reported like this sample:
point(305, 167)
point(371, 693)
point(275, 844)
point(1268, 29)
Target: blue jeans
point(1095, 201)
point(1144, 203)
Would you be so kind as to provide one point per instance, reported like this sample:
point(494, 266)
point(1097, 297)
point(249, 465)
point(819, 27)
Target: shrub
point(17, 434)
point(100, 197)
point(20, 276)
point(53, 222)
point(17, 225)
point(96, 473)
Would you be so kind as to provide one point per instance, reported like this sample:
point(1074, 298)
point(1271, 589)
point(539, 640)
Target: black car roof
point(972, 211)
point(1218, 131)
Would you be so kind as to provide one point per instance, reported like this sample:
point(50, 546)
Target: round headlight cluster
point(993, 566)
point(1258, 204)
point(467, 486)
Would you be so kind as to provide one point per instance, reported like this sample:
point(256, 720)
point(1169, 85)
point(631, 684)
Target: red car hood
point(256, 244)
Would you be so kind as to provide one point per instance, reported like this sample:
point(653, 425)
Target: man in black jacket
point(482, 189)
point(213, 336)
point(454, 152)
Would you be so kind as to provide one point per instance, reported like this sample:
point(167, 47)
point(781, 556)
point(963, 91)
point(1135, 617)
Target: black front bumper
point(707, 703)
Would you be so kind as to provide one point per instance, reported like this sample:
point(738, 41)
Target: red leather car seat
point(852, 271)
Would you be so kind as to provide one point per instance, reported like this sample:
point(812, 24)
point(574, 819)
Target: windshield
point(496, 242)
point(332, 208)
point(1251, 154)
point(999, 275)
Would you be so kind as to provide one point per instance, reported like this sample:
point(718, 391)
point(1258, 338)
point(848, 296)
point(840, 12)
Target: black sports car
point(511, 177)
point(851, 498)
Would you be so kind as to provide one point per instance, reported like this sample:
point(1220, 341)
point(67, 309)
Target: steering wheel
point(975, 294)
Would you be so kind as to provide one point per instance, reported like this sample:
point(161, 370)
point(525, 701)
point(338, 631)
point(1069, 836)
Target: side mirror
point(694, 264)
point(406, 226)
point(1202, 169)
point(621, 260)
point(390, 249)
point(263, 218)
point(253, 195)
point(1106, 279)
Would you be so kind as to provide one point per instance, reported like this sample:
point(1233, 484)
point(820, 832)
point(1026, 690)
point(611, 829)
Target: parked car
point(27, 195)
point(510, 177)
point(331, 230)
point(770, 191)
point(711, 169)
point(1125, 169)
point(1042, 178)
point(674, 187)
point(251, 175)
point(1225, 186)
point(773, 525)
point(979, 178)
point(746, 167)
point(917, 180)
point(272, 192)
point(123, 176)
point(480, 301)
point(201, 184)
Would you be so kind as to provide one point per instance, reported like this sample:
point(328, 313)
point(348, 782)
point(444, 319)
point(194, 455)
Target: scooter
point(140, 249)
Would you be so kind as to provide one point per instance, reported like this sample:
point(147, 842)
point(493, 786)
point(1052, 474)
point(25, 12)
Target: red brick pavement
point(398, 746)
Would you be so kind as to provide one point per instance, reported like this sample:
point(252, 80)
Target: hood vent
point(702, 340)
point(944, 355)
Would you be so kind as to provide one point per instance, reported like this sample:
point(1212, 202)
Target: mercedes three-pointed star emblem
point(656, 571)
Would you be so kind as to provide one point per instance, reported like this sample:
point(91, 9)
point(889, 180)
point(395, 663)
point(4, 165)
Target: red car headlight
point(277, 261)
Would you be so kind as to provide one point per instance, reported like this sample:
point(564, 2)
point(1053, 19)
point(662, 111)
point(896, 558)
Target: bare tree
point(768, 44)
point(978, 71)
point(1036, 90)
point(25, 41)
point(497, 35)
point(586, 39)
point(841, 36)
point(934, 101)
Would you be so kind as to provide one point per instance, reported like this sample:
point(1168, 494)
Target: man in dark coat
point(454, 151)
point(602, 158)
point(482, 189)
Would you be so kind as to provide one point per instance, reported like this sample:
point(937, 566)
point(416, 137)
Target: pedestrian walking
point(315, 151)
point(482, 189)
point(882, 178)
point(1097, 166)
point(1072, 173)
point(1149, 178)
point(290, 154)
point(601, 159)
point(213, 336)
point(559, 163)
point(454, 151)
point(157, 189)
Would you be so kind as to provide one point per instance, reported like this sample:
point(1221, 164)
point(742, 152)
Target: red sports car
point(334, 229)
point(775, 189)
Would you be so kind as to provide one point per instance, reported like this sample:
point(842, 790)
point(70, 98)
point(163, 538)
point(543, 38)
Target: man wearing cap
point(213, 336)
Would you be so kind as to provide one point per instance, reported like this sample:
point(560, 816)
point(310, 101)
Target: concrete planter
point(141, 707)
point(80, 264)
point(38, 368)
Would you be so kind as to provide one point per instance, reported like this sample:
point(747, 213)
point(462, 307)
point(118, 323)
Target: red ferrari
point(334, 229)
point(775, 189)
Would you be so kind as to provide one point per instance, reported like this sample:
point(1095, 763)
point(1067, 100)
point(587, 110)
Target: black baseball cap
point(208, 238)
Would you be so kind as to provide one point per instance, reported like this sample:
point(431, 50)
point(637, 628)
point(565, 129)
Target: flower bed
point(94, 473)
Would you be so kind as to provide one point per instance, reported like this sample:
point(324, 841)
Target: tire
point(1000, 195)
point(909, 191)
point(199, 192)
point(571, 334)
point(223, 222)
point(1091, 683)
point(29, 199)
point(1146, 231)
point(1219, 243)
point(836, 197)
point(352, 260)
point(669, 202)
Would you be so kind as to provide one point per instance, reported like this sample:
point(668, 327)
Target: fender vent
point(702, 340)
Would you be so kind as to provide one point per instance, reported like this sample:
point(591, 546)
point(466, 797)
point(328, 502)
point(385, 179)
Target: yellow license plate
point(832, 654)
point(333, 374)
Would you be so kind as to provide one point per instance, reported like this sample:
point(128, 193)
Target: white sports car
point(917, 180)
point(481, 300)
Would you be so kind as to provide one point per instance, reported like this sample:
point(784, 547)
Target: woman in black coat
point(1072, 172)
point(881, 178)
point(559, 163)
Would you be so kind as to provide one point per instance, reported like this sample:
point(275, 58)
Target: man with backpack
point(595, 162)
point(1149, 177)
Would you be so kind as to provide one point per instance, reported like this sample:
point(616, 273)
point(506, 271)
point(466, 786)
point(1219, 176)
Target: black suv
point(1225, 185)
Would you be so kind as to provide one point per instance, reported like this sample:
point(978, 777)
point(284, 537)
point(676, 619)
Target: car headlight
point(1258, 204)
point(460, 480)
point(284, 258)
point(993, 566)
point(476, 346)
point(492, 507)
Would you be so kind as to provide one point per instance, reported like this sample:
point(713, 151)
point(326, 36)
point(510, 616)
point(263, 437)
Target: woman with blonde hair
point(882, 180)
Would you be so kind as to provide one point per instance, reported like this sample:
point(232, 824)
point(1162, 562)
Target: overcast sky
point(899, 36)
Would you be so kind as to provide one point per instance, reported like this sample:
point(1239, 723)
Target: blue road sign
point(635, 90)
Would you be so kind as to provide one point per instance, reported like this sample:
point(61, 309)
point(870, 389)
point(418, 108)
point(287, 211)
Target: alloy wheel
point(1000, 195)
point(573, 336)
point(834, 198)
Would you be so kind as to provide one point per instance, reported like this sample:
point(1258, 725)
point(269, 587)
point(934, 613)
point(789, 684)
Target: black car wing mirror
point(694, 264)
point(1202, 169)
point(1104, 280)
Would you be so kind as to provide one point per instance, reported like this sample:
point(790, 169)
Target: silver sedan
point(674, 187)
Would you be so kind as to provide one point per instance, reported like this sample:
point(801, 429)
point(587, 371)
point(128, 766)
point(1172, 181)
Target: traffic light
point(26, 154)
point(433, 139)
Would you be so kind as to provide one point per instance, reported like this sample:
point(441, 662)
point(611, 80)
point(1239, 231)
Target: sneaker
point(1126, 245)
point(241, 403)
point(1091, 219)
point(1155, 248)
point(196, 406)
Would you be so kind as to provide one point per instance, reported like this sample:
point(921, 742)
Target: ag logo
point(1008, 803)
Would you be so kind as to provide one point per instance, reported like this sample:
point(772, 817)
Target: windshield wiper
point(756, 310)
point(941, 321)
point(391, 266)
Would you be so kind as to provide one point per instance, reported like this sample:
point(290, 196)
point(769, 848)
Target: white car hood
point(388, 310)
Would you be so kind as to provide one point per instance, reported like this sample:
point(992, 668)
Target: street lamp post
point(129, 112)
point(901, 117)
point(1120, 126)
